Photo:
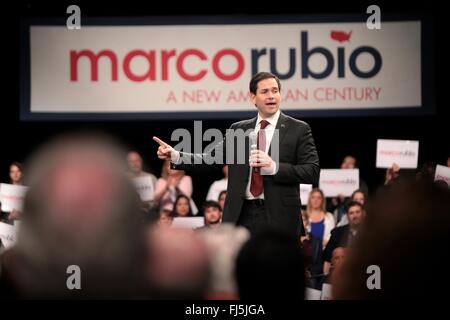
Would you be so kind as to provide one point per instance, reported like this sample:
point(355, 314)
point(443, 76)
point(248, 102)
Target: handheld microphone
point(253, 138)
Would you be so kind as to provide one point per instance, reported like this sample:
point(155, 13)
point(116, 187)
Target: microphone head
point(253, 139)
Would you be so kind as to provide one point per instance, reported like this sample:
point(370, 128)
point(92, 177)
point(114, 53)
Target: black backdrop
point(335, 137)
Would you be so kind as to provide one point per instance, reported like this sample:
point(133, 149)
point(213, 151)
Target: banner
point(12, 196)
point(405, 153)
point(188, 222)
point(7, 234)
point(203, 70)
point(442, 173)
point(334, 182)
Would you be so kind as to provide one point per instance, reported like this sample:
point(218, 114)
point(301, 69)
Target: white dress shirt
point(270, 129)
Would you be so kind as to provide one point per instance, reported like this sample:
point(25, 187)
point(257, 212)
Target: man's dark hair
point(352, 204)
point(211, 204)
point(262, 76)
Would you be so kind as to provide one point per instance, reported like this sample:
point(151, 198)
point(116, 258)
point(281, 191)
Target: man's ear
point(253, 98)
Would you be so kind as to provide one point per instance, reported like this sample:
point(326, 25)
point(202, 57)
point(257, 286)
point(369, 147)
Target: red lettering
point(74, 56)
point(165, 55)
point(183, 68)
point(150, 74)
point(216, 62)
point(180, 65)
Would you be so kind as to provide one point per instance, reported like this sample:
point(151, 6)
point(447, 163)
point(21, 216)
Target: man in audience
point(135, 166)
point(345, 235)
point(212, 213)
point(224, 243)
point(405, 244)
point(81, 235)
point(218, 186)
point(178, 264)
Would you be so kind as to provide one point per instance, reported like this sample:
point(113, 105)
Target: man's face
point(338, 256)
point(15, 174)
point(348, 163)
point(359, 197)
point(212, 215)
point(134, 162)
point(267, 98)
point(355, 216)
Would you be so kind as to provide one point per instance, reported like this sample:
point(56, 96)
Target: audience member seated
point(212, 213)
point(135, 167)
point(224, 243)
point(358, 196)
point(172, 184)
point(218, 186)
point(181, 207)
point(320, 222)
point(312, 252)
point(222, 197)
point(344, 236)
point(405, 238)
point(178, 264)
point(80, 210)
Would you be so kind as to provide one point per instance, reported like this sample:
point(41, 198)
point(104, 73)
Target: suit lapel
point(282, 127)
point(249, 125)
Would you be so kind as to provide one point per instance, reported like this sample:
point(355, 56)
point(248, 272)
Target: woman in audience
point(171, 184)
point(15, 178)
point(312, 254)
point(320, 222)
point(222, 196)
point(181, 207)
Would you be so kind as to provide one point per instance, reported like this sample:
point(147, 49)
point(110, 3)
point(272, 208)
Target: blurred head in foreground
point(80, 210)
point(178, 264)
point(405, 240)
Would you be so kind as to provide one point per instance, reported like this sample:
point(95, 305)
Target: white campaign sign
point(405, 153)
point(12, 196)
point(339, 181)
point(7, 234)
point(442, 173)
point(144, 186)
point(326, 292)
point(188, 222)
point(312, 294)
point(305, 189)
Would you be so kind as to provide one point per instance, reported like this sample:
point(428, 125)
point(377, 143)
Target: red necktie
point(256, 185)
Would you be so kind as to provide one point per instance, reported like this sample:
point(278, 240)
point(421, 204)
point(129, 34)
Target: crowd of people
point(82, 209)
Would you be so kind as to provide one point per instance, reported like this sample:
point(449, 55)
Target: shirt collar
point(273, 119)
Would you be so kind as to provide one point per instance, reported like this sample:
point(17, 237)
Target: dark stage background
point(334, 137)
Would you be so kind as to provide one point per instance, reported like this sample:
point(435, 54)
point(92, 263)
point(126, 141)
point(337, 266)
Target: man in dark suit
point(345, 235)
point(263, 190)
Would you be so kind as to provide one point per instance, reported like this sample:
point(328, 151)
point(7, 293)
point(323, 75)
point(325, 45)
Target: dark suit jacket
point(298, 163)
point(339, 238)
